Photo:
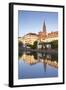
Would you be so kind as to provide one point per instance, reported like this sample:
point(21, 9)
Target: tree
point(34, 46)
point(54, 44)
point(20, 44)
point(29, 45)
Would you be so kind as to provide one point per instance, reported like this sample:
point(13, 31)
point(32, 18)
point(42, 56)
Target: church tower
point(44, 27)
point(42, 34)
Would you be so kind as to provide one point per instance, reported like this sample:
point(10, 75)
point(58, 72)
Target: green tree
point(54, 44)
point(35, 45)
point(20, 44)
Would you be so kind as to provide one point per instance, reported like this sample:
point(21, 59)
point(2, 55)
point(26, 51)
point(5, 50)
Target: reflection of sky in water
point(37, 70)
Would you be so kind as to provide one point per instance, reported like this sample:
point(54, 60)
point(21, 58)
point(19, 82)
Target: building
point(42, 35)
point(52, 34)
point(43, 38)
point(29, 38)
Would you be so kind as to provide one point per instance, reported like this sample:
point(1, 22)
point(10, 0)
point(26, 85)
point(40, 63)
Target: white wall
point(4, 44)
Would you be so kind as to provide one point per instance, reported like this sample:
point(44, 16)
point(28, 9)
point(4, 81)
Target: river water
point(37, 65)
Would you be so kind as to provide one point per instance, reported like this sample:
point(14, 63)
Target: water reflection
point(37, 65)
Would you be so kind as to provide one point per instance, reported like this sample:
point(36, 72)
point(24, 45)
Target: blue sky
point(32, 21)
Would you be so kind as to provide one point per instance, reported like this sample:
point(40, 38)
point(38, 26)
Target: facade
point(29, 38)
point(52, 34)
point(41, 36)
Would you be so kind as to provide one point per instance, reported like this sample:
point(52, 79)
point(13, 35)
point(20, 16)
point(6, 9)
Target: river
point(37, 65)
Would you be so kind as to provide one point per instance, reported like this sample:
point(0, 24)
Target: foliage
point(34, 46)
point(20, 44)
point(54, 44)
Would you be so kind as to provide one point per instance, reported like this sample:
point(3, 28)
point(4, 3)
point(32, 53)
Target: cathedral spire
point(44, 27)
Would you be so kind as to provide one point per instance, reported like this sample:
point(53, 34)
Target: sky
point(32, 21)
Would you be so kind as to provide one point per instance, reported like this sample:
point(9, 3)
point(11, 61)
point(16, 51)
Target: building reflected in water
point(34, 58)
point(37, 65)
